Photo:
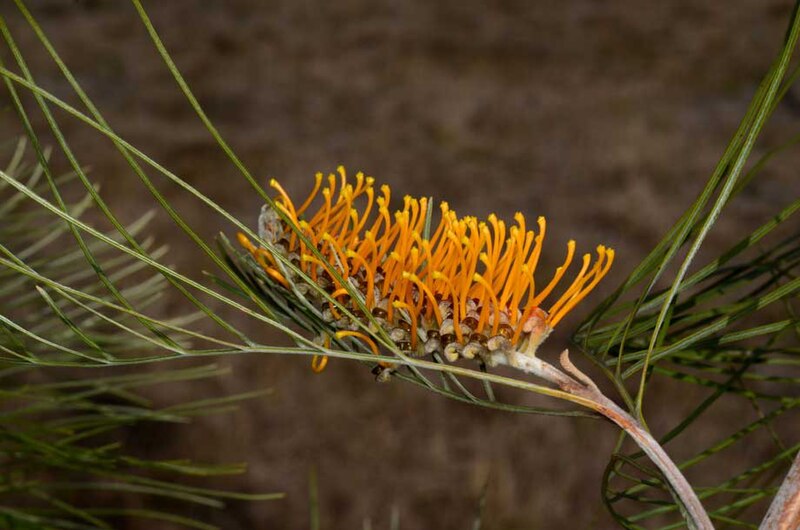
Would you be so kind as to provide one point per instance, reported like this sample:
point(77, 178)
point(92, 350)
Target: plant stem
point(784, 512)
point(575, 382)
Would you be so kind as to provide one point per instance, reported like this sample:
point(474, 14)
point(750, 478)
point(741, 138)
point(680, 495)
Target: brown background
point(606, 117)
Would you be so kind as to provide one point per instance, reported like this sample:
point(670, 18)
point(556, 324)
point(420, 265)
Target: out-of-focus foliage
point(64, 461)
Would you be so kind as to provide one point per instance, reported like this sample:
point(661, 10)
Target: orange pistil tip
point(464, 284)
point(319, 362)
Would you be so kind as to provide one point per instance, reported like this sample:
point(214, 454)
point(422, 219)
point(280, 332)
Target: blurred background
point(605, 117)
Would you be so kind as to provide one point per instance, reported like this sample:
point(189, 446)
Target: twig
point(575, 382)
point(784, 512)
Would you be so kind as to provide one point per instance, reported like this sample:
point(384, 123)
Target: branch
point(575, 382)
point(784, 512)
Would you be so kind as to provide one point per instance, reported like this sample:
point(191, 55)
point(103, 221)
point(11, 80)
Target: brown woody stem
point(575, 382)
point(784, 512)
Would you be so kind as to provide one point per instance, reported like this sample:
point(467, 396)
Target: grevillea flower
point(467, 288)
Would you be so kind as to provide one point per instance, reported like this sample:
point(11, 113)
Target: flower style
point(465, 288)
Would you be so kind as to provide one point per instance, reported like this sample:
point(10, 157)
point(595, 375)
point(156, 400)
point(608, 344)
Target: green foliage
point(730, 327)
point(62, 432)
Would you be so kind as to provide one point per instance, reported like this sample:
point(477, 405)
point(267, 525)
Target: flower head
point(465, 287)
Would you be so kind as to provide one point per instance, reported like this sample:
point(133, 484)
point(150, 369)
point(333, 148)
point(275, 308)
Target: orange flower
point(466, 289)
